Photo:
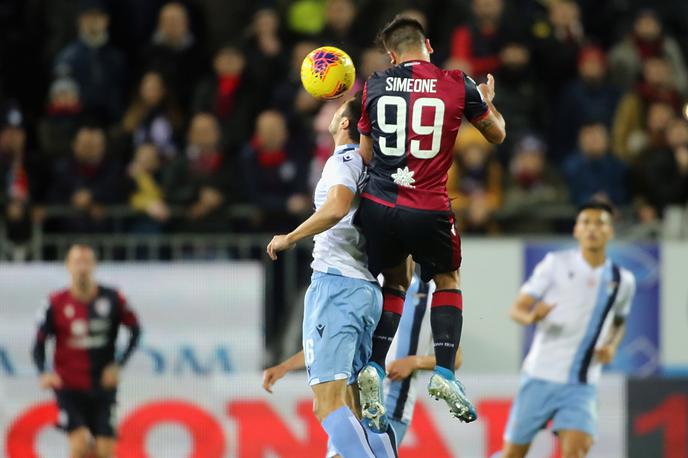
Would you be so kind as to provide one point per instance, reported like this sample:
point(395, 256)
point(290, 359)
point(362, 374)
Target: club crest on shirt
point(102, 306)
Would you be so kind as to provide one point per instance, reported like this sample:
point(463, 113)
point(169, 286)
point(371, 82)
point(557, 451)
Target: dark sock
point(446, 320)
point(392, 306)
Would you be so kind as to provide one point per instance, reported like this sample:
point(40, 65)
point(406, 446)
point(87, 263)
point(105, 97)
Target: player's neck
point(84, 292)
point(342, 138)
point(594, 258)
point(411, 56)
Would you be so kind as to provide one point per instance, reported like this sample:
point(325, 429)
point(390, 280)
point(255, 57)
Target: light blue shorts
point(568, 405)
point(340, 315)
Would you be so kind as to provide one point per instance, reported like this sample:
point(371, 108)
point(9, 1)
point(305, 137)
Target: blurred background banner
point(639, 352)
point(231, 417)
point(198, 318)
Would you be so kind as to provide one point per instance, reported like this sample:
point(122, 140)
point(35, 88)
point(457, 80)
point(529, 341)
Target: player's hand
point(402, 368)
point(605, 354)
point(50, 380)
point(271, 375)
point(110, 377)
point(487, 90)
point(277, 244)
point(541, 310)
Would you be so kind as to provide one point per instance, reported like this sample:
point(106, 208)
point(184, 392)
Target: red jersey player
point(84, 319)
point(411, 116)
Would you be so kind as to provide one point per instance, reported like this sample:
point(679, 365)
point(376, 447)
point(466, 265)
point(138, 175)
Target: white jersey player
point(580, 300)
point(344, 301)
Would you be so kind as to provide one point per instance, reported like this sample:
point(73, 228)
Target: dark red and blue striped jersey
point(413, 112)
point(85, 335)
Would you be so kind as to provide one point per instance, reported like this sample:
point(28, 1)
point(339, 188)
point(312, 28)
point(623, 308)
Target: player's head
point(404, 38)
point(345, 120)
point(81, 262)
point(594, 225)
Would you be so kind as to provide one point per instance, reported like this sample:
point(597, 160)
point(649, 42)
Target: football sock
point(446, 320)
point(383, 445)
point(346, 433)
point(392, 306)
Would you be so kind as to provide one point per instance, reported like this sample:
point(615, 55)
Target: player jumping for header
point(411, 116)
point(580, 300)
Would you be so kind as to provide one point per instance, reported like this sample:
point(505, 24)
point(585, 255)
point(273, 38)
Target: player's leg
point(102, 422)
point(574, 444)
point(331, 328)
point(576, 419)
point(105, 447)
point(79, 442)
point(534, 406)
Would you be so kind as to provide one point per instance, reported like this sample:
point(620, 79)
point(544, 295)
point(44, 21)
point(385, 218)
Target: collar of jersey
point(341, 149)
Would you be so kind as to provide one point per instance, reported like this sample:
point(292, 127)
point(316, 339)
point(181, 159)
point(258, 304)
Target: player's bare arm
point(404, 367)
point(336, 207)
point(527, 310)
point(272, 374)
point(605, 354)
point(492, 126)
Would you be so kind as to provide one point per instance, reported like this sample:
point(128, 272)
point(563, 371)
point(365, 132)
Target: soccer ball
point(327, 72)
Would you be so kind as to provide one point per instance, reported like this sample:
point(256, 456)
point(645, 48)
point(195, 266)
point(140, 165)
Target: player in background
point(579, 299)
point(411, 352)
point(84, 320)
point(411, 115)
point(343, 302)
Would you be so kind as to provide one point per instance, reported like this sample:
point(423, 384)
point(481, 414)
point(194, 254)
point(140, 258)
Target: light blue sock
point(384, 445)
point(347, 434)
point(378, 368)
point(444, 372)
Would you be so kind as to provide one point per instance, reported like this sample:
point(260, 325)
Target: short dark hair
point(352, 112)
point(401, 34)
point(596, 205)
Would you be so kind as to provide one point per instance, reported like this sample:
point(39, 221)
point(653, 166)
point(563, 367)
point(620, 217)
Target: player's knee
point(447, 280)
point(577, 448)
point(514, 451)
point(80, 444)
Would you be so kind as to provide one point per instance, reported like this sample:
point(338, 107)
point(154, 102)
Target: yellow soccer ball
point(327, 72)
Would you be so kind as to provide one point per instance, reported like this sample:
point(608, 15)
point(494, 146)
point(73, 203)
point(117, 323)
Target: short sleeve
point(622, 307)
point(541, 278)
point(344, 169)
point(364, 124)
point(475, 107)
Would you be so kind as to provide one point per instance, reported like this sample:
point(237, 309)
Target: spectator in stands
point(274, 172)
point(97, 67)
point(200, 180)
point(475, 46)
point(657, 85)
point(647, 40)
point(661, 175)
point(587, 97)
point(153, 116)
point(372, 60)
point(63, 117)
point(593, 172)
point(229, 94)
point(14, 180)
point(475, 182)
point(174, 52)
point(519, 99)
point(289, 95)
point(146, 196)
point(340, 27)
point(556, 44)
point(531, 186)
point(88, 181)
point(651, 136)
point(266, 56)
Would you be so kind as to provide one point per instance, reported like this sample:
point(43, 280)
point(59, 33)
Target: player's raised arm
point(491, 124)
point(336, 207)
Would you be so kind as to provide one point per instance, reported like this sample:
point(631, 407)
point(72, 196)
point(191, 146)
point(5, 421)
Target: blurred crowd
point(181, 111)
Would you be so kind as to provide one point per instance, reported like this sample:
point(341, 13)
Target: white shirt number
point(398, 126)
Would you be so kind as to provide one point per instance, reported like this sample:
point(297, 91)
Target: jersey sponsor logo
point(404, 177)
point(410, 85)
point(69, 311)
point(103, 306)
point(99, 325)
point(86, 342)
point(79, 328)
